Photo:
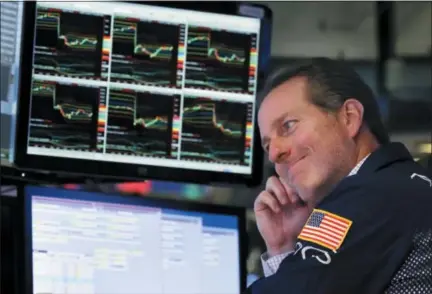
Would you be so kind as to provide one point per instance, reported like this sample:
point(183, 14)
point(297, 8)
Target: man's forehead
point(284, 95)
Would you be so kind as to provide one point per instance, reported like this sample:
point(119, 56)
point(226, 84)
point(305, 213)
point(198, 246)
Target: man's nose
point(278, 152)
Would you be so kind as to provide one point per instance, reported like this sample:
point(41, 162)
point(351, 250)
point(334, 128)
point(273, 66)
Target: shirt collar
point(358, 166)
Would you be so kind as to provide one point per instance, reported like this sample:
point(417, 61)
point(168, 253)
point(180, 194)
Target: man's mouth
point(291, 165)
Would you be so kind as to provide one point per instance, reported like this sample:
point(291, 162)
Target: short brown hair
point(331, 83)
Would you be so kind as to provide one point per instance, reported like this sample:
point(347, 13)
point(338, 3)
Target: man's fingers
point(292, 194)
point(275, 187)
point(276, 195)
point(266, 200)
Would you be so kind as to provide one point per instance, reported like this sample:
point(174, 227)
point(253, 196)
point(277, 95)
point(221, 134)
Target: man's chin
point(305, 191)
point(302, 185)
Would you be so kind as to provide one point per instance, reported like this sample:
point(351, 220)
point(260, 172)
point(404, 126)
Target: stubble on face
point(318, 140)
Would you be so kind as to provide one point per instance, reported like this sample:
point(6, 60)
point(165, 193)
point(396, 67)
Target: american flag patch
point(326, 229)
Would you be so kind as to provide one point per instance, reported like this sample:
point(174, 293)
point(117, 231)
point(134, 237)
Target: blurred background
point(388, 43)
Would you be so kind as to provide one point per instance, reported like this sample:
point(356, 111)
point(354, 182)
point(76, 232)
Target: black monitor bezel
point(123, 171)
point(25, 211)
point(15, 221)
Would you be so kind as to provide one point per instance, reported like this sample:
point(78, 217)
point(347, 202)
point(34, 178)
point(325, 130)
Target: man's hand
point(280, 216)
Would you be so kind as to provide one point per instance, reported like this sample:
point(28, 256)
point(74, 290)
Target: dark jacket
point(381, 241)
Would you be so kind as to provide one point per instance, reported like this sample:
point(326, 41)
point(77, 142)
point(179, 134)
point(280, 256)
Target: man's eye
point(287, 125)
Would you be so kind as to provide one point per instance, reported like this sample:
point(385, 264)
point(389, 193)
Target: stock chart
point(140, 123)
point(217, 60)
point(69, 44)
point(145, 52)
point(213, 130)
point(64, 116)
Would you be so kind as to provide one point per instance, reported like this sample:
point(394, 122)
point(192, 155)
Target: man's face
point(309, 147)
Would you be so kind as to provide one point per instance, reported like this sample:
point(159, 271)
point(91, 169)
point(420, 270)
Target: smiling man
point(344, 214)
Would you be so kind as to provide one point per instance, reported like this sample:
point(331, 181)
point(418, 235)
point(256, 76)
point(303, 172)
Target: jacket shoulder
point(404, 178)
point(398, 193)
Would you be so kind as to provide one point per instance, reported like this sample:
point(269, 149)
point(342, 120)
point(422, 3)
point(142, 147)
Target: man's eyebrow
point(277, 120)
point(265, 140)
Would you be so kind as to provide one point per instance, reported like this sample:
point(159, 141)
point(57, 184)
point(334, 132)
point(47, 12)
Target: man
point(348, 212)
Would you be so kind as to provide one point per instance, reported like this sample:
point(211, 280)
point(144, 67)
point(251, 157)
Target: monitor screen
point(81, 242)
point(143, 85)
point(10, 46)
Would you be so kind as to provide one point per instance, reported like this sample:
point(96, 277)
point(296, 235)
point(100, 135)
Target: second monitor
point(144, 87)
point(81, 242)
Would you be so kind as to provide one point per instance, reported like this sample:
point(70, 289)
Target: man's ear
point(352, 116)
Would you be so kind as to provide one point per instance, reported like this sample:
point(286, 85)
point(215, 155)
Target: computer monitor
point(11, 14)
point(81, 242)
point(141, 90)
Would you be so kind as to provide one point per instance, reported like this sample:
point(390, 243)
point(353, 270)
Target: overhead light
point(424, 148)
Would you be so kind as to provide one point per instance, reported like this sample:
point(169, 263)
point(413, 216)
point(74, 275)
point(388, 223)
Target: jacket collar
point(380, 158)
point(384, 156)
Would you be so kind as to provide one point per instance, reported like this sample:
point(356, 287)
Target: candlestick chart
point(144, 52)
point(64, 116)
point(213, 130)
point(68, 44)
point(217, 60)
point(139, 123)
